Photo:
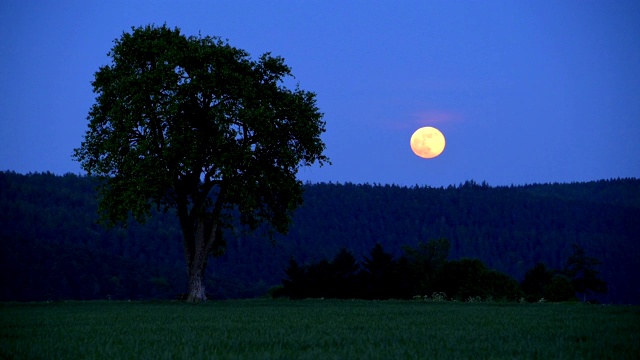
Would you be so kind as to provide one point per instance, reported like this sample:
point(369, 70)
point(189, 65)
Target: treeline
point(51, 246)
point(425, 272)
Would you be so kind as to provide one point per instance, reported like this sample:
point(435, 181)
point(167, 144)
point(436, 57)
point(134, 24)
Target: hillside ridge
point(53, 248)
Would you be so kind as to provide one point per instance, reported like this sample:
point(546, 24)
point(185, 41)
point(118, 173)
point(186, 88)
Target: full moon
point(427, 142)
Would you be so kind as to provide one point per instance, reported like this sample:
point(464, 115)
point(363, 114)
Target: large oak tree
point(193, 124)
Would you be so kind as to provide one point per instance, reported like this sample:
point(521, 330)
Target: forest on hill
point(53, 248)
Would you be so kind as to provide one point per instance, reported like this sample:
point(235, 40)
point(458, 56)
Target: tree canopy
point(194, 124)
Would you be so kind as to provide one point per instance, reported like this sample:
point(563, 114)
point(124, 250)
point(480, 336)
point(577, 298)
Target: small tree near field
point(423, 263)
point(380, 276)
point(581, 270)
point(536, 280)
point(193, 124)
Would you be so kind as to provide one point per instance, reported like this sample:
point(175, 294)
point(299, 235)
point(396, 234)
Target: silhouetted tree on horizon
point(580, 269)
point(194, 125)
point(380, 275)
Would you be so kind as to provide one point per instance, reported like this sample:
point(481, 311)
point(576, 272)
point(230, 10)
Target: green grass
point(325, 329)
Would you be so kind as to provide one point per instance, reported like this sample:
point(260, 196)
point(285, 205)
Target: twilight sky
point(524, 91)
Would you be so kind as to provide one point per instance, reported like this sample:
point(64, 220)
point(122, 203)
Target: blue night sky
point(524, 91)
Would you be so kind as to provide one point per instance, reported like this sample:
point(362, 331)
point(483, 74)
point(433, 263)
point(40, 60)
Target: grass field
point(325, 329)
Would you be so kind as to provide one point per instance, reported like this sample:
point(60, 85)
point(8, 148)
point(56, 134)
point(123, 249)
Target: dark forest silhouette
point(52, 247)
point(424, 272)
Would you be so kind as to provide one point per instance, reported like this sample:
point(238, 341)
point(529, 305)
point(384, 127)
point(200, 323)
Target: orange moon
point(427, 142)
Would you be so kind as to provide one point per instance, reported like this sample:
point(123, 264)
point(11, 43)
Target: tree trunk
point(197, 292)
point(197, 248)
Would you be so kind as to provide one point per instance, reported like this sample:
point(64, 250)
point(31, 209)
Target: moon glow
point(427, 142)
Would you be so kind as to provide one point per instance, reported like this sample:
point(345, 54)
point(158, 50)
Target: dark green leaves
point(196, 124)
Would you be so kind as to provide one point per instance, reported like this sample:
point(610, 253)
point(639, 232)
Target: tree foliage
point(422, 263)
point(581, 270)
point(331, 279)
point(541, 282)
point(196, 125)
point(536, 280)
point(383, 277)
